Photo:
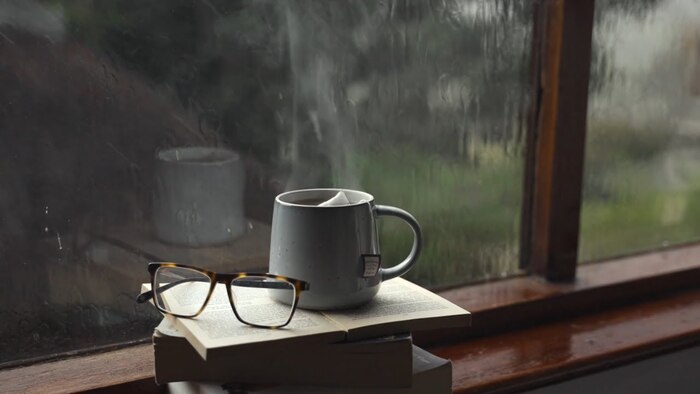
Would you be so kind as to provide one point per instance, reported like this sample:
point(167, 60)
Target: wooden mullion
point(562, 61)
point(535, 100)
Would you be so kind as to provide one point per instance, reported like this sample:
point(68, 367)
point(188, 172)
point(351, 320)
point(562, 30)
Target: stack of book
point(367, 349)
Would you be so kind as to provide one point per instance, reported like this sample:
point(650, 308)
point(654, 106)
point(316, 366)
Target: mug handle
point(410, 260)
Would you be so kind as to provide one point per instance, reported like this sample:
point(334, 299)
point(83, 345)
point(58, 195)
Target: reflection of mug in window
point(198, 196)
point(189, 217)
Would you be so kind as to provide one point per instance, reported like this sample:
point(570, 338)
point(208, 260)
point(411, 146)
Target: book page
point(217, 328)
point(167, 327)
point(402, 304)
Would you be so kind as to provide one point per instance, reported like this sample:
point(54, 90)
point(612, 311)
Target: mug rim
point(278, 199)
point(225, 155)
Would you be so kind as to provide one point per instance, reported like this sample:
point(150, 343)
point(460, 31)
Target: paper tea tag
point(371, 264)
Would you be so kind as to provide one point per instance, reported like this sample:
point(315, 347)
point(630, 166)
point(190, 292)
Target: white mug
point(335, 248)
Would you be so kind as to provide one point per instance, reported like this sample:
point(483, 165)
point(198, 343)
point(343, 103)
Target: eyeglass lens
point(263, 301)
point(181, 291)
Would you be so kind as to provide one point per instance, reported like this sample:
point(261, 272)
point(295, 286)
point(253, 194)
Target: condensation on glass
point(642, 170)
point(126, 123)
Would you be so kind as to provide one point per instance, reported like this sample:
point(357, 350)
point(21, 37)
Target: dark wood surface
point(501, 305)
point(133, 365)
point(557, 351)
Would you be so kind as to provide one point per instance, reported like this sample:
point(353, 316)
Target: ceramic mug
point(198, 198)
point(335, 248)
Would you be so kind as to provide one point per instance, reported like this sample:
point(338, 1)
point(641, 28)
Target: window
point(471, 114)
point(422, 104)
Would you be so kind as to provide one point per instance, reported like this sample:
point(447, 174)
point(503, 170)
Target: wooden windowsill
point(519, 302)
point(525, 330)
point(557, 351)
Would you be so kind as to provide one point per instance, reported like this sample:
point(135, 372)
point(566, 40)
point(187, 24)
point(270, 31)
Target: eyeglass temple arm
point(147, 295)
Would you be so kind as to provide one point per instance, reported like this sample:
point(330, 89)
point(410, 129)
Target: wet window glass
point(127, 126)
point(642, 170)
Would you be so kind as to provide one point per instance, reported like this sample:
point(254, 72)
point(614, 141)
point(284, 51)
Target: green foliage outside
point(631, 201)
point(469, 215)
point(625, 226)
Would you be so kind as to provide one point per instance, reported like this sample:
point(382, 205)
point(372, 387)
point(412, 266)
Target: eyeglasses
point(260, 300)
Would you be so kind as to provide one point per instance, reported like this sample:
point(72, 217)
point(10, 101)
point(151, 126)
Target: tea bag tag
point(370, 264)
point(339, 199)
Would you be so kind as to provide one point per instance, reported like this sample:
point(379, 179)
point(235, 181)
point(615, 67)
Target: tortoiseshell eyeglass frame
point(227, 279)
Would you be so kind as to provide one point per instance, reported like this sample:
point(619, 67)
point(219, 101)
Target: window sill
point(582, 327)
point(562, 350)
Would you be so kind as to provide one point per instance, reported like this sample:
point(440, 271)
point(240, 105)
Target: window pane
point(642, 174)
point(136, 131)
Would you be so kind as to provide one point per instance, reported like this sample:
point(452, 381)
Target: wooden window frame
point(562, 40)
point(557, 286)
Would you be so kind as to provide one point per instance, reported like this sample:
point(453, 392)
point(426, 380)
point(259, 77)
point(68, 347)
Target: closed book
point(379, 362)
point(431, 375)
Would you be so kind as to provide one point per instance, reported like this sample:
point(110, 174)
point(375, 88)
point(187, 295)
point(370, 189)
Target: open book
point(400, 306)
